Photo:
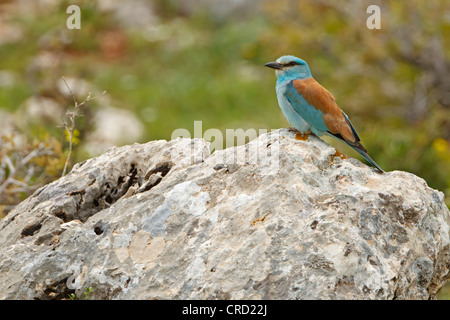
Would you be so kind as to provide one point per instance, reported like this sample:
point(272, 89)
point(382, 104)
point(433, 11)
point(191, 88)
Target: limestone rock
point(278, 218)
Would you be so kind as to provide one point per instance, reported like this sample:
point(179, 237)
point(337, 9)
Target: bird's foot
point(302, 136)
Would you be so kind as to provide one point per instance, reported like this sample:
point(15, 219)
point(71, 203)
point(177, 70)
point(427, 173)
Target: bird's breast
point(288, 111)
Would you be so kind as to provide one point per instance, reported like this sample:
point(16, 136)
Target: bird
point(309, 107)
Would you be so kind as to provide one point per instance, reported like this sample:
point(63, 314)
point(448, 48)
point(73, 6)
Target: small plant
point(87, 294)
point(70, 129)
point(25, 167)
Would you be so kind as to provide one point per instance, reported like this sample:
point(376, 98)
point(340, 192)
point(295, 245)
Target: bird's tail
point(362, 151)
point(357, 146)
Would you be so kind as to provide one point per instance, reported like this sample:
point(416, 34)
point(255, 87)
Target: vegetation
point(86, 294)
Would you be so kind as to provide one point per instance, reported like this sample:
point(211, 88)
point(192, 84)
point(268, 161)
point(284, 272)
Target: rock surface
point(278, 218)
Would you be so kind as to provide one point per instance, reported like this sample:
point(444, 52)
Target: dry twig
point(71, 116)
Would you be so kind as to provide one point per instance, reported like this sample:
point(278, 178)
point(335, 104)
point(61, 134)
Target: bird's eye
point(291, 64)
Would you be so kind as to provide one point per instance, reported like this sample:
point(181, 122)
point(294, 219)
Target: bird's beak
point(274, 65)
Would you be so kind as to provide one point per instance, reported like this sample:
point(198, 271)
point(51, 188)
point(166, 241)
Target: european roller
point(309, 107)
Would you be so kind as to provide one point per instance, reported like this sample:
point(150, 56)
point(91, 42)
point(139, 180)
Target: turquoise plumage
point(309, 107)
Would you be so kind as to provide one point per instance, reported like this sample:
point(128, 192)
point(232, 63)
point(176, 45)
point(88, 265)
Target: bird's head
point(290, 67)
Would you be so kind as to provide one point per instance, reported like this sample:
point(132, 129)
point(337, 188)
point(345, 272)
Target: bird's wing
point(316, 105)
point(302, 105)
point(333, 119)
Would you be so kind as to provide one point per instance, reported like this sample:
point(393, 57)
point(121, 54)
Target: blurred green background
point(167, 63)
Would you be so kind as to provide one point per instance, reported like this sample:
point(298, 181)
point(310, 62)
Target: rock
point(38, 109)
point(7, 126)
point(79, 88)
point(8, 78)
point(112, 126)
point(278, 218)
point(134, 14)
point(10, 32)
point(219, 10)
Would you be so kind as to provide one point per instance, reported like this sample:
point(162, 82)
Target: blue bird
point(309, 107)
